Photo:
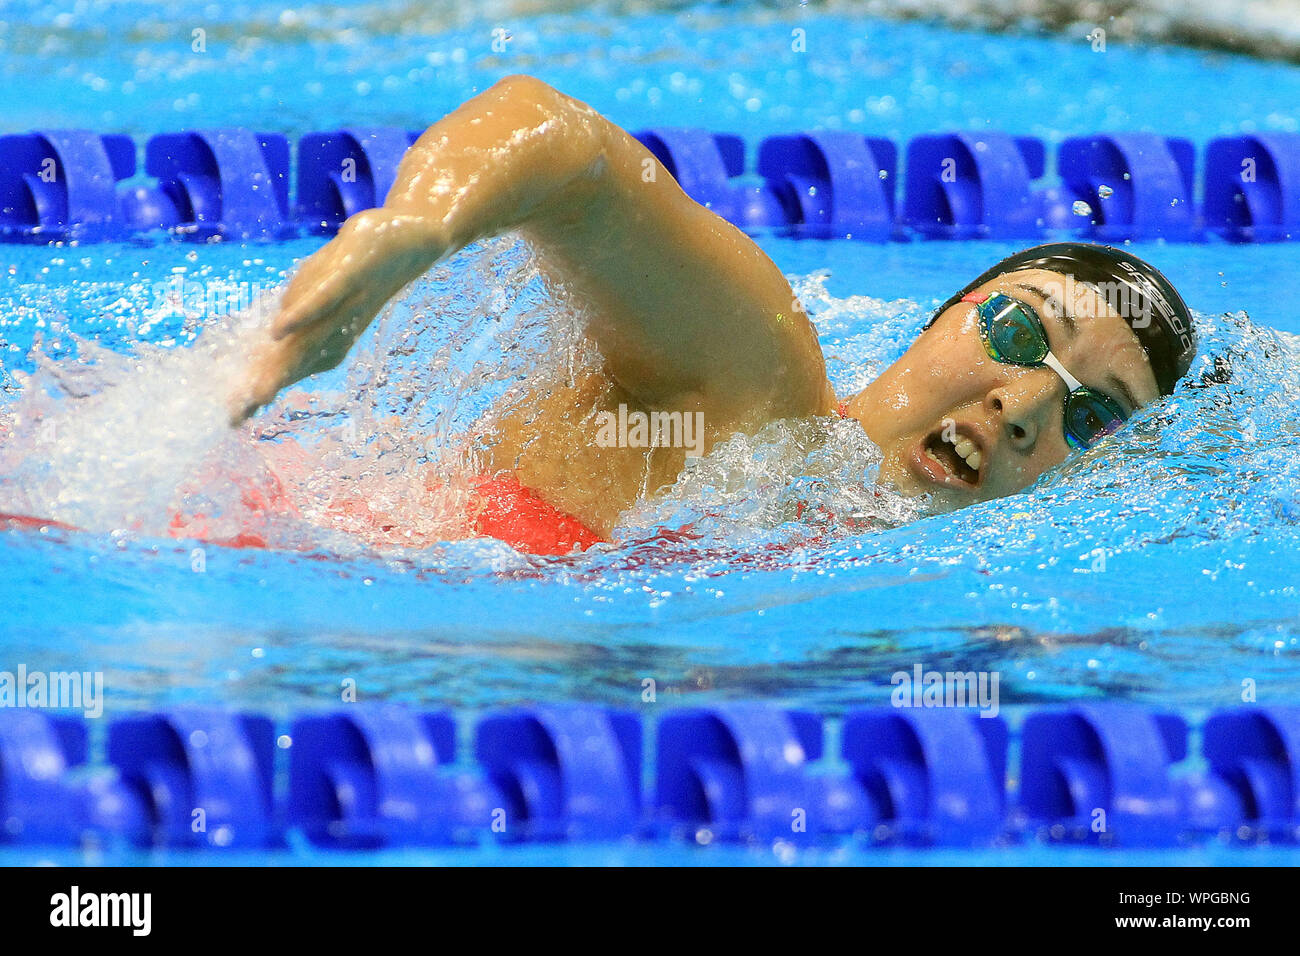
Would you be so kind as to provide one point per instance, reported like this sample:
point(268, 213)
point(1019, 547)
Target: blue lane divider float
point(204, 777)
point(45, 795)
point(564, 772)
point(61, 184)
point(1254, 759)
point(1098, 771)
point(383, 776)
point(930, 776)
point(737, 771)
point(832, 185)
point(78, 185)
point(228, 182)
point(974, 186)
point(37, 805)
point(1134, 185)
point(375, 776)
point(343, 173)
point(1252, 187)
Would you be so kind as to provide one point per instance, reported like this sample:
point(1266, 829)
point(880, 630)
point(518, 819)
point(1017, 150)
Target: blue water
point(1194, 507)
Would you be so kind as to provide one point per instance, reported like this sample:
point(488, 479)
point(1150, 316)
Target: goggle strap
point(1071, 383)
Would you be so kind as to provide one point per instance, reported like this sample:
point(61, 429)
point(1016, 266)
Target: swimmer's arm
point(688, 312)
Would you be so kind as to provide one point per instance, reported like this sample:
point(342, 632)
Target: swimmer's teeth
point(968, 450)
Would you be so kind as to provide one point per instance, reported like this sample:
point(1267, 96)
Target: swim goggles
point(1014, 334)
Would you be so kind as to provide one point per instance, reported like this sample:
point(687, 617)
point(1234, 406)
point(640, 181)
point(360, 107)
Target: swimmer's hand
point(335, 295)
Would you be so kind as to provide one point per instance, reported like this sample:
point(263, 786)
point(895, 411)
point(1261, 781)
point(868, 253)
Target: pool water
point(1161, 567)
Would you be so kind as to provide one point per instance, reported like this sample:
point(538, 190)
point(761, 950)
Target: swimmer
point(1043, 355)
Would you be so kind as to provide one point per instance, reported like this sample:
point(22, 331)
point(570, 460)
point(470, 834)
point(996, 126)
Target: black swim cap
point(1134, 289)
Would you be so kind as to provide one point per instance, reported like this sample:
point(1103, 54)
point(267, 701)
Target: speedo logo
point(1172, 319)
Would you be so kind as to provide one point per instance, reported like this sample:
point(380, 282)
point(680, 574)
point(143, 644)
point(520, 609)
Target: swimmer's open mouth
point(951, 456)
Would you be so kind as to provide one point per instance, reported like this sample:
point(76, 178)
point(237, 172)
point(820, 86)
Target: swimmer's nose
point(1022, 408)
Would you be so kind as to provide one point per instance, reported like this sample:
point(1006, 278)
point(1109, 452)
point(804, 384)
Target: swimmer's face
point(964, 427)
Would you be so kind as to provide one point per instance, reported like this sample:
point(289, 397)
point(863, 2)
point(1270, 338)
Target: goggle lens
point(1090, 417)
point(1013, 332)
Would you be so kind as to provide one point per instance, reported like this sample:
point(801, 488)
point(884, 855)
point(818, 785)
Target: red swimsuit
point(506, 510)
point(500, 507)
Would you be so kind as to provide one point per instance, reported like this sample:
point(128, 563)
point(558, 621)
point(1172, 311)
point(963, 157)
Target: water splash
point(103, 440)
point(793, 480)
point(379, 457)
point(379, 454)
